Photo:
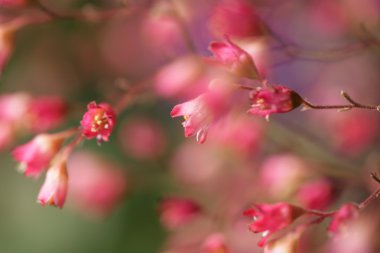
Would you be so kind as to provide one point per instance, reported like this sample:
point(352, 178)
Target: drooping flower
point(199, 113)
point(54, 190)
point(234, 58)
point(270, 218)
point(345, 214)
point(35, 155)
point(267, 99)
point(98, 121)
point(175, 212)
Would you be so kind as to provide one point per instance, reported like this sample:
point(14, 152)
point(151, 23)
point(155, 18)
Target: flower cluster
point(45, 152)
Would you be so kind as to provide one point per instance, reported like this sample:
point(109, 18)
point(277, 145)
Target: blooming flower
point(177, 211)
point(54, 190)
point(346, 213)
point(35, 155)
point(98, 121)
point(273, 99)
point(199, 113)
point(234, 58)
point(270, 218)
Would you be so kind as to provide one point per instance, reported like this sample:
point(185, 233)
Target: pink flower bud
point(345, 214)
point(175, 212)
point(235, 18)
point(54, 190)
point(215, 243)
point(35, 156)
point(273, 99)
point(98, 121)
point(270, 218)
point(234, 58)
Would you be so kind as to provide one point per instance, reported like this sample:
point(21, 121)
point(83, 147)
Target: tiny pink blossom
point(234, 58)
point(215, 243)
point(175, 212)
point(199, 113)
point(345, 214)
point(270, 218)
point(273, 99)
point(54, 190)
point(98, 121)
point(35, 156)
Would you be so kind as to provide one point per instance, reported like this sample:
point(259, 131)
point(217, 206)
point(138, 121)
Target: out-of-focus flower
point(315, 195)
point(46, 112)
point(54, 190)
point(36, 114)
point(234, 58)
point(353, 131)
point(98, 121)
point(241, 133)
point(7, 134)
point(282, 174)
point(185, 77)
point(35, 156)
point(273, 99)
point(235, 18)
point(215, 243)
point(344, 215)
point(270, 218)
point(175, 212)
point(96, 185)
point(142, 138)
point(14, 107)
point(200, 112)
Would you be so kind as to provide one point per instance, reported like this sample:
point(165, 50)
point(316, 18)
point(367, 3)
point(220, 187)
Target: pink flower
point(344, 215)
point(35, 156)
point(97, 186)
point(199, 113)
point(46, 112)
point(235, 18)
point(273, 99)
point(234, 58)
point(175, 212)
point(98, 121)
point(215, 243)
point(316, 194)
point(54, 190)
point(270, 218)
